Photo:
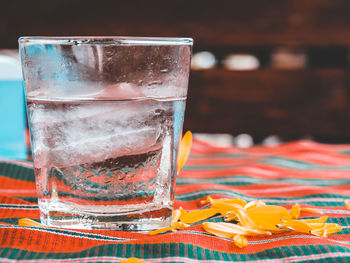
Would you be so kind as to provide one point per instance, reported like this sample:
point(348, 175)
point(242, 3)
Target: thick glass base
point(135, 219)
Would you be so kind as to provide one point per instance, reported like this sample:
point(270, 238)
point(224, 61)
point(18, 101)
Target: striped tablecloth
point(316, 175)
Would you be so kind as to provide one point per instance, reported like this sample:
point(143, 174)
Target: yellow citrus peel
point(297, 225)
point(324, 229)
point(132, 260)
point(232, 229)
point(29, 222)
point(253, 218)
point(240, 241)
point(347, 204)
point(315, 220)
point(160, 231)
point(175, 216)
point(195, 216)
point(255, 203)
point(184, 150)
point(295, 211)
point(175, 225)
point(310, 210)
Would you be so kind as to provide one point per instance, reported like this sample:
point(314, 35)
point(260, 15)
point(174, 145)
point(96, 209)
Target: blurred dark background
point(266, 67)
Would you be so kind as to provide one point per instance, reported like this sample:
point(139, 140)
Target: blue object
point(12, 114)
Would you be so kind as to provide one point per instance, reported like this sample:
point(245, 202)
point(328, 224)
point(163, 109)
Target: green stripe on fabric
point(31, 199)
point(190, 252)
point(182, 250)
point(120, 250)
point(16, 171)
point(163, 250)
point(12, 221)
point(137, 250)
point(199, 253)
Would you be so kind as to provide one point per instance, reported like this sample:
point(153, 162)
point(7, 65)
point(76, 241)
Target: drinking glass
point(105, 117)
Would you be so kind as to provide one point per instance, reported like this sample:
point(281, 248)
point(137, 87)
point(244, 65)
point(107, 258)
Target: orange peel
point(29, 222)
point(160, 231)
point(315, 220)
point(324, 229)
point(184, 150)
point(226, 207)
point(297, 225)
point(212, 201)
point(310, 210)
point(253, 218)
point(253, 204)
point(295, 211)
point(218, 230)
point(179, 225)
point(347, 204)
point(175, 225)
point(195, 216)
point(243, 230)
point(268, 216)
point(228, 230)
point(132, 260)
point(240, 241)
point(175, 216)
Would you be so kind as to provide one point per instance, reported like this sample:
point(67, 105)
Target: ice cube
point(71, 134)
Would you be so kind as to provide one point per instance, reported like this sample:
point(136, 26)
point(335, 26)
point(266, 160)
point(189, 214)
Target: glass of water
point(105, 117)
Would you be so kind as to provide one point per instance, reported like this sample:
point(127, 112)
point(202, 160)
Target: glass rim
point(106, 40)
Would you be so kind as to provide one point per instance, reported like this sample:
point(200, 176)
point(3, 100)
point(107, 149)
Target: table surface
point(315, 175)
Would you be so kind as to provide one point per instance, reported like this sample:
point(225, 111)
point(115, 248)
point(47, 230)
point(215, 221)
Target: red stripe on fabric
point(12, 200)
point(265, 171)
point(15, 187)
point(203, 147)
point(315, 157)
point(264, 190)
point(188, 205)
point(221, 161)
point(19, 213)
point(304, 155)
point(7, 183)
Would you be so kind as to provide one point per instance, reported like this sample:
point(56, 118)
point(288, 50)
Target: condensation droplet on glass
point(76, 42)
point(155, 82)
